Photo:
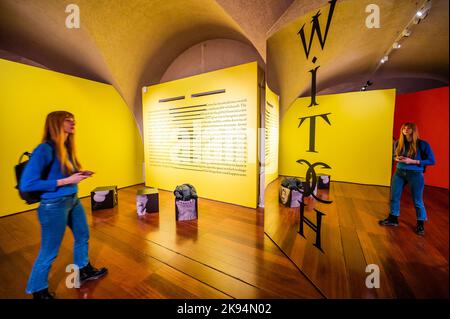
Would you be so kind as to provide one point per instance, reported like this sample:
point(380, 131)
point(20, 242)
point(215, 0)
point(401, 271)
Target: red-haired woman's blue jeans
point(416, 183)
point(54, 215)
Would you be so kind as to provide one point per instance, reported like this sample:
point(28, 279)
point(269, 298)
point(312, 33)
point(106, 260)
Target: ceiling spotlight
point(422, 12)
point(406, 33)
point(365, 86)
point(417, 20)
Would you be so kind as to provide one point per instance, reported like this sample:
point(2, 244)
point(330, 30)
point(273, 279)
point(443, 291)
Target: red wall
point(429, 110)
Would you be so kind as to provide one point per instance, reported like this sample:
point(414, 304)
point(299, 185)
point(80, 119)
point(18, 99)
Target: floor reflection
point(351, 239)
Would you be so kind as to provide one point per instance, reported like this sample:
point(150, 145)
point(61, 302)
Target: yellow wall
point(357, 145)
point(272, 127)
point(168, 149)
point(107, 137)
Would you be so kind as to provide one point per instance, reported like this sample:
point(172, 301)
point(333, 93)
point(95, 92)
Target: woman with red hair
point(412, 155)
point(59, 206)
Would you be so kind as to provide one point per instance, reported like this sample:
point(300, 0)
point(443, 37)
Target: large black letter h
point(316, 228)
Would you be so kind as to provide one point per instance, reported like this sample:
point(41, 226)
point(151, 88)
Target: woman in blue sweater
point(59, 206)
point(412, 155)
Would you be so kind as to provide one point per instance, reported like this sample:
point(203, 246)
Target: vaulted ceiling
point(352, 53)
point(131, 43)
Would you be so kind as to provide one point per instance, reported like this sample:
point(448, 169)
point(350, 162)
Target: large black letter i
point(313, 84)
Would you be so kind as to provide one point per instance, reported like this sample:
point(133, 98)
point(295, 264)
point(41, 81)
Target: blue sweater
point(424, 155)
point(31, 180)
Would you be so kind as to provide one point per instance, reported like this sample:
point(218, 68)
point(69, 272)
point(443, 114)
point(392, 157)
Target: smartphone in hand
point(87, 173)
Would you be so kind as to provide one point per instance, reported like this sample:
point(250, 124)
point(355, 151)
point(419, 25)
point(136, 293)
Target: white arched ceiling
point(209, 56)
point(36, 31)
point(124, 43)
point(132, 43)
point(256, 18)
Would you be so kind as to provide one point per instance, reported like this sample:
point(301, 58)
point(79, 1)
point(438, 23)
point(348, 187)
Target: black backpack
point(30, 197)
point(422, 152)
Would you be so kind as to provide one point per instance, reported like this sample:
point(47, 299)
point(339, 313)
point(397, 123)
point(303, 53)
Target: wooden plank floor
point(224, 254)
point(410, 266)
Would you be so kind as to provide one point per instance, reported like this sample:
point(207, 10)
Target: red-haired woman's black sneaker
point(390, 221)
point(43, 294)
point(420, 230)
point(88, 273)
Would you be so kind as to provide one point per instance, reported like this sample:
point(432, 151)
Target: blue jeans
point(54, 215)
point(416, 184)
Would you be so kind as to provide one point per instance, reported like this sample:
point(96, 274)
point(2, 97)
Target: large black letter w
point(316, 29)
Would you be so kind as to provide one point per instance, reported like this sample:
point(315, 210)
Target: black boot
point(420, 230)
point(390, 221)
point(43, 294)
point(90, 273)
